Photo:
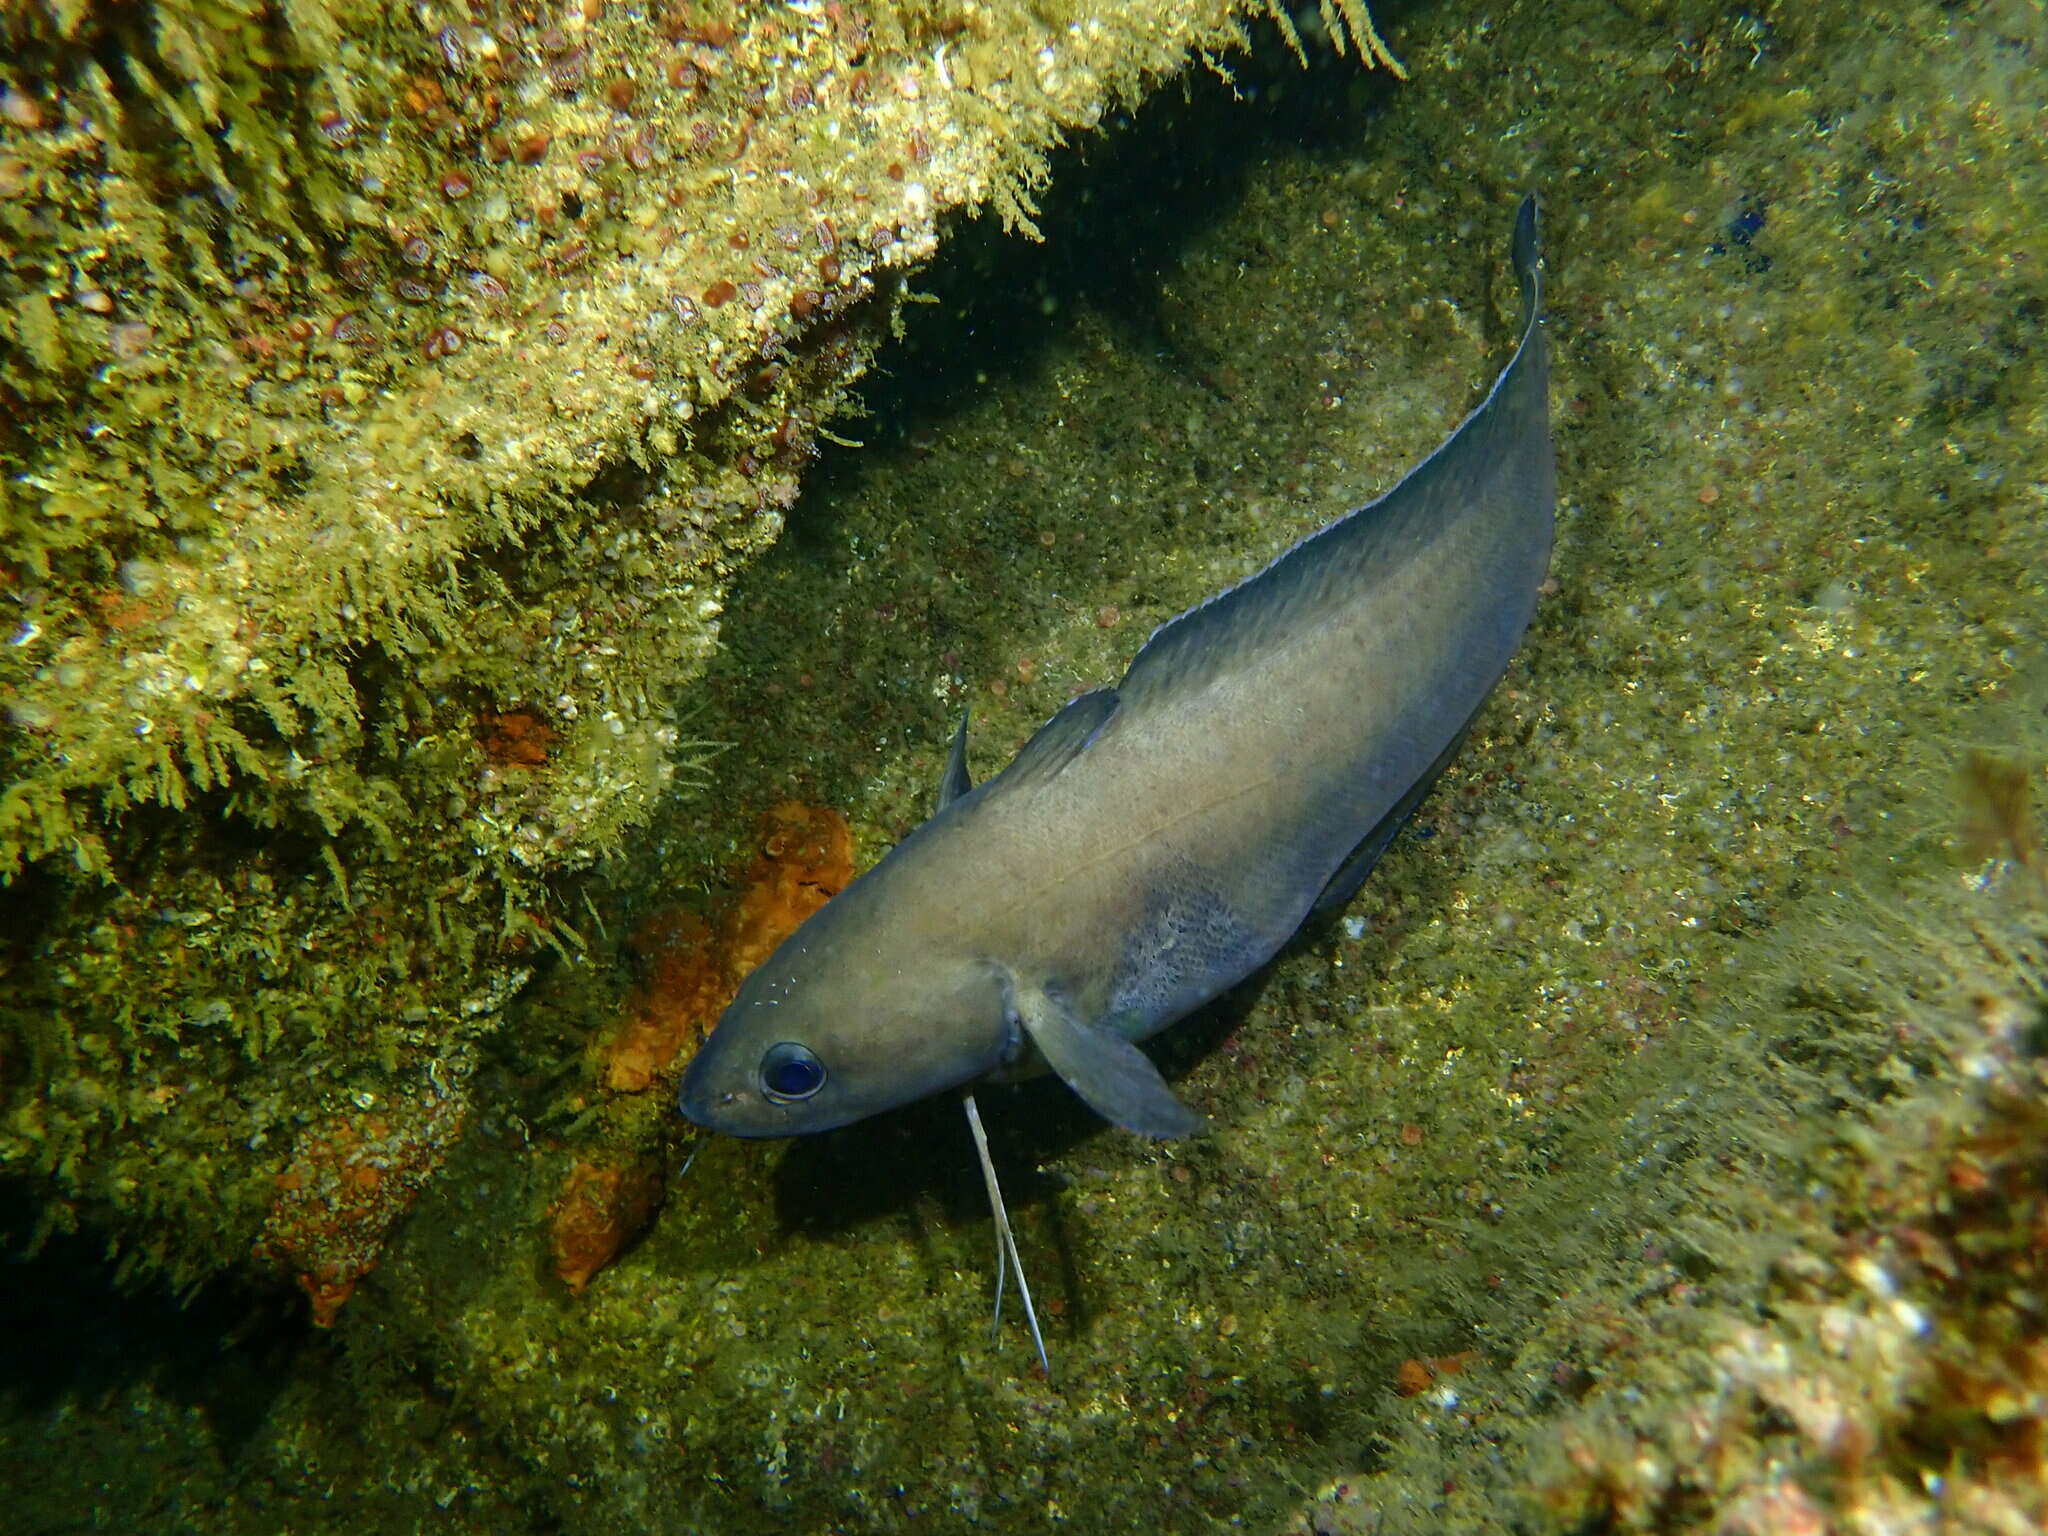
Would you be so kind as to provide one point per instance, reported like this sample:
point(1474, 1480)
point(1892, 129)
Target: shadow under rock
point(73, 1333)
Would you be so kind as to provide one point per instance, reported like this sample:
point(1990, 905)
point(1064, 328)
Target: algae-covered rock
point(391, 393)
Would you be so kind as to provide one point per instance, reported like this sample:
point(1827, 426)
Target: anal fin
point(1350, 875)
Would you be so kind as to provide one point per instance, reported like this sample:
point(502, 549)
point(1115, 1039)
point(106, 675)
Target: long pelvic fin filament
point(1006, 1242)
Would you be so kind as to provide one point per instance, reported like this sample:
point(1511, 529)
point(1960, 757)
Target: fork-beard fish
point(1156, 842)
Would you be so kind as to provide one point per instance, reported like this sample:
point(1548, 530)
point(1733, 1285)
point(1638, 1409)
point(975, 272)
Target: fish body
point(1156, 842)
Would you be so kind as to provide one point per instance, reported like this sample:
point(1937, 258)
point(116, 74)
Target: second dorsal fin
point(1062, 738)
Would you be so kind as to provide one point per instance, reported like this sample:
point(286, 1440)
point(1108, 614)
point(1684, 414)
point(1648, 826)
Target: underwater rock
point(602, 1207)
point(349, 1180)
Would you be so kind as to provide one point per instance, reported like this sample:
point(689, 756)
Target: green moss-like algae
point(1649, 1046)
point(389, 399)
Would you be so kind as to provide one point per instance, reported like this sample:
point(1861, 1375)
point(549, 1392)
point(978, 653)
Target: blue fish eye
point(789, 1072)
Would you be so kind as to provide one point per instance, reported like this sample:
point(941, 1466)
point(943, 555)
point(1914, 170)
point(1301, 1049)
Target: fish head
point(826, 1032)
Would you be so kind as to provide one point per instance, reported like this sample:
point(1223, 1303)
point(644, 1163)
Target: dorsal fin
point(955, 781)
point(1498, 454)
point(1061, 738)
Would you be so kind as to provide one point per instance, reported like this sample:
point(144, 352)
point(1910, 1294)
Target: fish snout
point(713, 1098)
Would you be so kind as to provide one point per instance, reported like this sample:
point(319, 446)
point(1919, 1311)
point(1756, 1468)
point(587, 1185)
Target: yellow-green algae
point(390, 394)
point(1649, 1088)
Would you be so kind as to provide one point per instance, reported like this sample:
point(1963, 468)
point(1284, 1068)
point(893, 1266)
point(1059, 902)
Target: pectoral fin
point(1112, 1076)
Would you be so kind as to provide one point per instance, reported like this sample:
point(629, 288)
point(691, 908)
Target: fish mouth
point(726, 1110)
point(709, 1098)
point(730, 1115)
point(715, 1096)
